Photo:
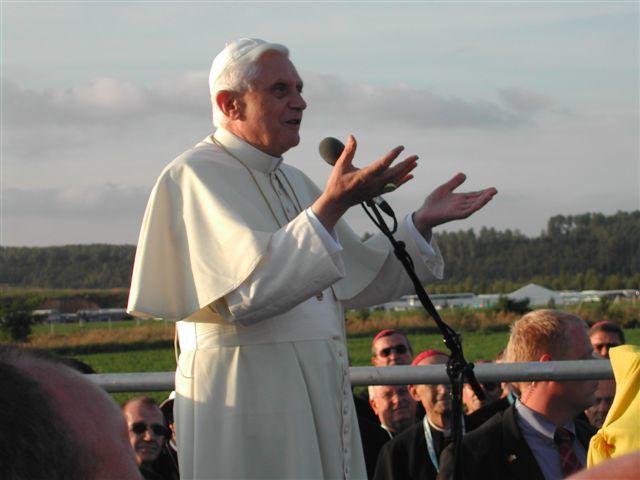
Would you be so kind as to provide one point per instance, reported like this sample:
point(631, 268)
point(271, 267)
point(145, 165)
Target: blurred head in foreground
point(55, 424)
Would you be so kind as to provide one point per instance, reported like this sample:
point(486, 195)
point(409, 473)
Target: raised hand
point(443, 205)
point(349, 185)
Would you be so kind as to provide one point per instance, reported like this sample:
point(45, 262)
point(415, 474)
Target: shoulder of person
point(492, 428)
point(404, 440)
point(203, 155)
point(482, 415)
point(584, 430)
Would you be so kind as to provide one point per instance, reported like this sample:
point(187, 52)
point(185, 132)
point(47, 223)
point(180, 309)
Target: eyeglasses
point(400, 349)
point(139, 428)
point(600, 346)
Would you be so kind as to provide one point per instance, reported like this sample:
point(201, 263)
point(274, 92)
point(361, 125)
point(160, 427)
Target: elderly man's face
point(602, 342)
point(391, 350)
point(147, 432)
point(435, 399)
point(272, 108)
point(605, 393)
point(394, 407)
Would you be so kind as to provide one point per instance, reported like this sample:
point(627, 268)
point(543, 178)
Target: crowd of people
point(57, 424)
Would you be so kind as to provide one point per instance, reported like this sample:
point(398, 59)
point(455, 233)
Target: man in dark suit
point(537, 437)
point(389, 347)
point(414, 453)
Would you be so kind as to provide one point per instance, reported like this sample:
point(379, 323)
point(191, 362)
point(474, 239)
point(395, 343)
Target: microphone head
point(330, 149)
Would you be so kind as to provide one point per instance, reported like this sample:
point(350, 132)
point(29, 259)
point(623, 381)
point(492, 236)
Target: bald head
point(90, 424)
point(147, 431)
point(434, 398)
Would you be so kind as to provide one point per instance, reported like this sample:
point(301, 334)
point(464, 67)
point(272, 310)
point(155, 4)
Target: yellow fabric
point(620, 433)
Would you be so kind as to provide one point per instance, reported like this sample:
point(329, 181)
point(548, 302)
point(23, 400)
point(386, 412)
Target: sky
point(538, 99)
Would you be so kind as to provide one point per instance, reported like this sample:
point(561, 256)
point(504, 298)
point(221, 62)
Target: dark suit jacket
point(483, 414)
point(373, 437)
point(498, 450)
point(405, 457)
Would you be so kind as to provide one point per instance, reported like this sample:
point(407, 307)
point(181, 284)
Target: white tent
point(536, 294)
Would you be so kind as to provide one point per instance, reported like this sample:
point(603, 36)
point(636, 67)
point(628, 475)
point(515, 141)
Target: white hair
point(373, 391)
point(239, 76)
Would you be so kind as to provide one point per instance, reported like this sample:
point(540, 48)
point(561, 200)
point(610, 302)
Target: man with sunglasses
point(391, 347)
point(604, 336)
point(148, 435)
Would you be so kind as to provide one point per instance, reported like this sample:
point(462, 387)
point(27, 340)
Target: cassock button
point(511, 458)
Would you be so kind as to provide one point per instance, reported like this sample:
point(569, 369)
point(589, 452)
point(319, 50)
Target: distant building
point(103, 314)
point(46, 315)
point(538, 296)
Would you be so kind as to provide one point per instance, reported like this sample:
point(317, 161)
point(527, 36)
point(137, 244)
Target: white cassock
point(230, 249)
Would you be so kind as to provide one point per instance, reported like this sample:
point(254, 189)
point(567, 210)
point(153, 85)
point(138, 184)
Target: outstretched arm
point(443, 205)
point(348, 185)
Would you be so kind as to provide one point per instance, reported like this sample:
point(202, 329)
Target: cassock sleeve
point(296, 266)
point(195, 244)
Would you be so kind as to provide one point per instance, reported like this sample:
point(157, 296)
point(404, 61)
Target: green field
point(65, 328)
point(477, 346)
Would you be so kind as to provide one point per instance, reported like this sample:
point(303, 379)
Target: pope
point(256, 265)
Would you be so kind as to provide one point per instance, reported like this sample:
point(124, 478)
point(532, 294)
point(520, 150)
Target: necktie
point(569, 462)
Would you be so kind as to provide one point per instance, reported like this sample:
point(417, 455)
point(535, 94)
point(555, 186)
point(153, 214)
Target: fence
point(398, 375)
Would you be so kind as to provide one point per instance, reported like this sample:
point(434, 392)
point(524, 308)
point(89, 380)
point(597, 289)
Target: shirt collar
point(539, 422)
point(445, 432)
point(249, 155)
point(384, 427)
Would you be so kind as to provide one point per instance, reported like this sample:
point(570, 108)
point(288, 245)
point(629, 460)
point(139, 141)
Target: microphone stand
point(458, 369)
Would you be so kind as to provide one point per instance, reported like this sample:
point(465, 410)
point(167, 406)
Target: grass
point(147, 346)
point(150, 360)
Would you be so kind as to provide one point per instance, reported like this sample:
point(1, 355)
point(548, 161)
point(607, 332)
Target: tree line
point(577, 252)
point(590, 251)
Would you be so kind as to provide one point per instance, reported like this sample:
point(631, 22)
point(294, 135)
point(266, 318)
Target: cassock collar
point(248, 154)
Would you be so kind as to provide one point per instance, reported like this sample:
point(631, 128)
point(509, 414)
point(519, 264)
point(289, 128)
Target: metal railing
point(398, 375)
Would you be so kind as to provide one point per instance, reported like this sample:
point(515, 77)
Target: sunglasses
point(600, 346)
point(139, 428)
point(399, 349)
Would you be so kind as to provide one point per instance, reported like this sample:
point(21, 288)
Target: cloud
point(109, 101)
point(77, 202)
point(525, 101)
point(331, 97)
point(103, 102)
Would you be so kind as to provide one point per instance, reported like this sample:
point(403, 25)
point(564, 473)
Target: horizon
point(476, 231)
point(537, 99)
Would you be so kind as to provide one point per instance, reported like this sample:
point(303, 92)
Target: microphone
point(330, 149)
